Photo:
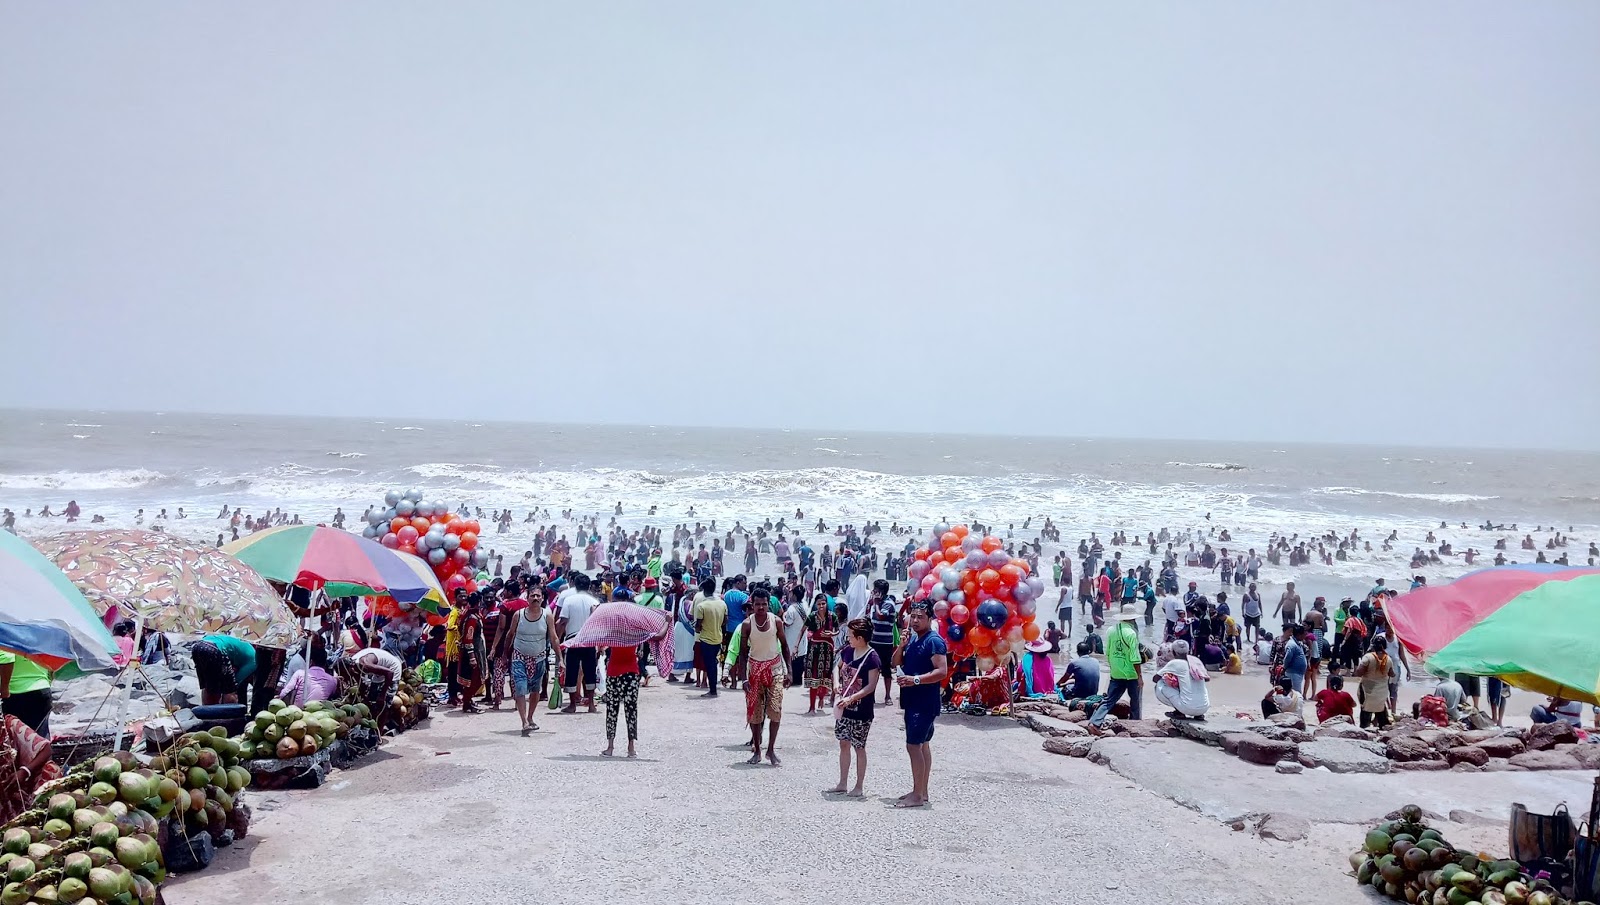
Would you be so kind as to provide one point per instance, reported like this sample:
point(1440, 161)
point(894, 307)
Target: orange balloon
point(949, 539)
point(441, 519)
point(961, 531)
point(469, 540)
point(921, 556)
point(1010, 574)
point(398, 522)
point(970, 588)
point(991, 544)
point(981, 637)
point(474, 527)
point(1021, 564)
point(421, 524)
point(1003, 593)
point(454, 526)
point(989, 580)
point(953, 554)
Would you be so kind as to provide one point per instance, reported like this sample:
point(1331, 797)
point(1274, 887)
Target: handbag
point(1536, 836)
point(847, 687)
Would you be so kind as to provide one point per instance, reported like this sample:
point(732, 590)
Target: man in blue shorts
point(922, 661)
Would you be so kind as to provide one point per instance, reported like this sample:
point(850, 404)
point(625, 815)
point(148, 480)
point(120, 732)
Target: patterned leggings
point(622, 692)
point(499, 671)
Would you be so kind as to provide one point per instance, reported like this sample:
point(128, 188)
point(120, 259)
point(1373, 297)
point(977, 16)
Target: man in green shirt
point(25, 691)
point(223, 665)
point(708, 614)
point(1340, 616)
point(1125, 657)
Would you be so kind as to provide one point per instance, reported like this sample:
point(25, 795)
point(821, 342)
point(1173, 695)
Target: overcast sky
point(1321, 222)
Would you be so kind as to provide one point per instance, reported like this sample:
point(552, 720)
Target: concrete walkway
point(465, 809)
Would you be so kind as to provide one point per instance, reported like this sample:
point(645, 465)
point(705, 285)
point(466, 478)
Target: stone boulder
point(1336, 720)
point(1230, 742)
point(1211, 730)
point(1291, 720)
point(1474, 736)
point(1289, 766)
point(1410, 748)
point(1501, 765)
point(1071, 747)
point(1467, 754)
point(1282, 733)
point(1442, 739)
point(1544, 736)
point(1587, 756)
point(1465, 767)
point(1145, 728)
point(1284, 827)
point(1343, 728)
point(1258, 749)
point(1049, 725)
point(1416, 765)
point(1344, 756)
point(1546, 760)
point(1501, 746)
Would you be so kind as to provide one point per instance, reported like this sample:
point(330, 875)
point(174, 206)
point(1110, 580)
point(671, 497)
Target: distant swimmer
point(72, 510)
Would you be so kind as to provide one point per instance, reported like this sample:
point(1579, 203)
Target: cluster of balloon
point(983, 599)
point(410, 524)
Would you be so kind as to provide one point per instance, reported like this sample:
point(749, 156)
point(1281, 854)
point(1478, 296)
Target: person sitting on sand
point(1334, 701)
point(1082, 677)
point(1283, 698)
point(1181, 685)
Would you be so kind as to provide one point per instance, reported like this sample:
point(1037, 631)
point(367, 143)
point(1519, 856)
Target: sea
point(117, 463)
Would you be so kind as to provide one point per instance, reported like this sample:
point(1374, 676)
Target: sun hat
point(1039, 646)
point(1128, 613)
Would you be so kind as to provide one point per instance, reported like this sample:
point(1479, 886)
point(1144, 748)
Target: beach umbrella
point(340, 563)
point(620, 623)
point(169, 584)
point(45, 618)
point(1532, 625)
point(433, 598)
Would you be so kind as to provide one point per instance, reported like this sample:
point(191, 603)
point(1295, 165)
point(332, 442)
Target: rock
point(1338, 720)
point(1473, 818)
point(1587, 756)
point(1284, 827)
point(1421, 765)
point(1293, 721)
point(189, 854)
point(1071, 747)
point(1343, 756)
point(1546, 760)
point(1345, 729)
point(1441, 739)
point(1465, 767)
point(1409, 748)
point(1501, 746)
point(1500, 765)
point(1283, 733)
point(1289, 766)
point(1076, 716)
point(1230, 742)
point(1147, 728)
point(1544, 736)
point(1049, 725)
point(1258, 749)
point(1467, 754)
point(1211, 730)
point(1474, 736)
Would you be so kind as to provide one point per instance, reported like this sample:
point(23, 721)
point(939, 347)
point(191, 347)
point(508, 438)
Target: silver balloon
point(952, 580)
point(434, 541)
point(971, 542)
point(938, 592)
point(1027, 608)
point(977, 559)
point(390, 514)
point(1037, 584)
point(998, 558)
point(369, 532)
point(451, 542)
point(955, 597)
point(940, 529)
point(437, 556)
point(414, 496)
point(405, 508)
point(1022, 593)
point(391, 498)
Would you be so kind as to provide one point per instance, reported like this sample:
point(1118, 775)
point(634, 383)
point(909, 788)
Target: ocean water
point(116, 463)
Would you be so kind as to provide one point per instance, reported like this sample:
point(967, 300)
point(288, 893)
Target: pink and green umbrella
point(44, 617)
point(340, 563)
point(1532, 625)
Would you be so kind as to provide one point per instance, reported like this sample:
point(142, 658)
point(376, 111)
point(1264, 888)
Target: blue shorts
point(527, 675)
point(919, 722)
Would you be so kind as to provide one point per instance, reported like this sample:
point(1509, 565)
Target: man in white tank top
point(762, 664)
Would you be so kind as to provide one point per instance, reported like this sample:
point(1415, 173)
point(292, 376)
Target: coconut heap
point(91, 835)
point(1408, 861)
point(284, 731)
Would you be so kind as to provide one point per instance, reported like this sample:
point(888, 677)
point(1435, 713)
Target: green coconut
point(20, 870)
point(103, 792)
point(198, 777)
point(105, 884)
point(15, 894)
point(107, 769)
point(15, 841)
point(133, 789)
point(104, 835)
point(56, 828)
point(1379, 842)
point(77, 865)
point(72, 889)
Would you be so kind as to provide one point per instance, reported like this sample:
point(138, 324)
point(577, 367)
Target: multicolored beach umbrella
point(172, 584)
point(340, 563)
point(1532, 625)
point(44, 618)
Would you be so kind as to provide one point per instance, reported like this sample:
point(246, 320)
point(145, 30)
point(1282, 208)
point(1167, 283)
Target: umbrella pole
point(127, 688)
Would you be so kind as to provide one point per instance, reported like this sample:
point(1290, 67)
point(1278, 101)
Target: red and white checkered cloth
point(621, 623)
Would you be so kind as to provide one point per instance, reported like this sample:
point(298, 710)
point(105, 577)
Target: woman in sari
point(1036, 674)
point(820, 654)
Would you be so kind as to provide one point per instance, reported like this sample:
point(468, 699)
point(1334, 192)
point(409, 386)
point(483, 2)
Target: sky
point(1361, 222)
